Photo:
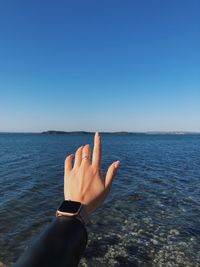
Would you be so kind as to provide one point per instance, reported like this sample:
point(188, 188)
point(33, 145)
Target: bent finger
point(68, 162)
point(111, 173)
point(78, 157)
point(86, 154)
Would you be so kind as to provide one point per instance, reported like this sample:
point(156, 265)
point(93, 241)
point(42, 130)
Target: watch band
point(83, 215)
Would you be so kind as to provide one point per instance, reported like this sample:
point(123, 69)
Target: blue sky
point(100, 65)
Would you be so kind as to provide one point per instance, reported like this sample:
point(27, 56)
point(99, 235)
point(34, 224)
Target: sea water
point(151, 217)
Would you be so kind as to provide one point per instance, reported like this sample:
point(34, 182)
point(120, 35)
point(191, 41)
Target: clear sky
point(104, 65)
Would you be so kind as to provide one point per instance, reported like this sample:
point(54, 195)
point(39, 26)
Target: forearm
point(61, 244)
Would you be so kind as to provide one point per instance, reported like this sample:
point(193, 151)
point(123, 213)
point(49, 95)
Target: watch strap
point(83, 215)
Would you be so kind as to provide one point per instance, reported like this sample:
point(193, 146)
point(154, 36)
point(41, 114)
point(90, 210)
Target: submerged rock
point(135, 197)
point(154, 241)
point(174, 232)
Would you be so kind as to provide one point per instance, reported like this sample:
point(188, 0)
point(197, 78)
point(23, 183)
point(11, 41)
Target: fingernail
point(117, 163)
point(97, 134)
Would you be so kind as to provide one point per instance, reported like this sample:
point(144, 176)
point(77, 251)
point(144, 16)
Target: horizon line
point(101, 132)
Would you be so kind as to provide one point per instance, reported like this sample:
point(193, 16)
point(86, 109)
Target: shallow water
point(152, 215)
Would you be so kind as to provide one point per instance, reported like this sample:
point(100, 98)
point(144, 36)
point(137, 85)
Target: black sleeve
point(61, 245)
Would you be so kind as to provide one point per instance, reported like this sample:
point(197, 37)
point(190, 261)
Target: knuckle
point(96, 171)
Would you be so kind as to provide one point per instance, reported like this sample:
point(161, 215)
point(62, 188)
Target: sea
point(150, 218)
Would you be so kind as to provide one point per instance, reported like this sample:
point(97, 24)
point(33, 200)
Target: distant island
point(120, 133)
point(85, 132)
point(64, 132)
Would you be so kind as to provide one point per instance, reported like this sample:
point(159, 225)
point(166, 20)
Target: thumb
point(111, 173)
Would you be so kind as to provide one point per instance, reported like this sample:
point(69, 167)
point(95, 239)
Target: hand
point(83, 181)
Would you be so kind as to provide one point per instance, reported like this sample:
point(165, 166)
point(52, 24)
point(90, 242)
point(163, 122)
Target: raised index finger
point(96, 157)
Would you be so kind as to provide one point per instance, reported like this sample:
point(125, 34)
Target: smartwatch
point(74, 209)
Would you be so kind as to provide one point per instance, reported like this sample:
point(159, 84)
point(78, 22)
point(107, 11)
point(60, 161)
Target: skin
point(83, 181)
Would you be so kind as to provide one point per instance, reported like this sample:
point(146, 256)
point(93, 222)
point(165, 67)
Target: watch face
point(70, 206)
